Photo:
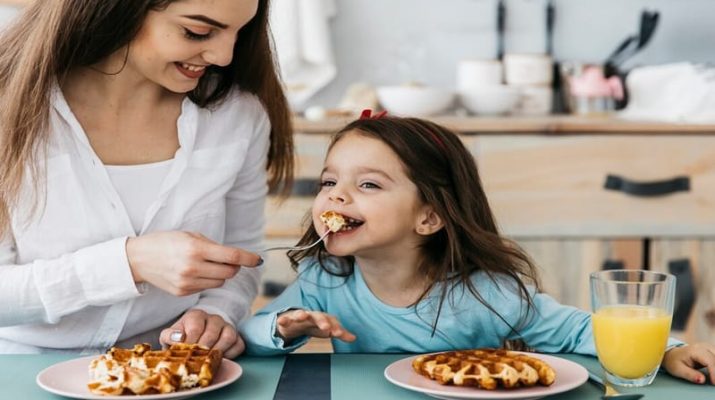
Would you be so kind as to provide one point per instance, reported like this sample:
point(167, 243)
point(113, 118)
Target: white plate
point(569, 375)
point(69, 379)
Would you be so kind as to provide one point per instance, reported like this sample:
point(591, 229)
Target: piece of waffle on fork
point(332, 220)
point(485, 369)
point(144, 371)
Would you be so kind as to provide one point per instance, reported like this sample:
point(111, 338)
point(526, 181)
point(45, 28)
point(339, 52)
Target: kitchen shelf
point(570, 125)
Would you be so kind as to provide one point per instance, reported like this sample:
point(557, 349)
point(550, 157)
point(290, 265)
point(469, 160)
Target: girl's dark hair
point(51, 37)
point(446, 176)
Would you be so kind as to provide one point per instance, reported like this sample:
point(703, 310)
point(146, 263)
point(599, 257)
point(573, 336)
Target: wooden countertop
point(566, 124)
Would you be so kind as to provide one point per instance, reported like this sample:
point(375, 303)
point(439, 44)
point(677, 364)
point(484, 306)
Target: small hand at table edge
point(296, 323)
point(685, 361)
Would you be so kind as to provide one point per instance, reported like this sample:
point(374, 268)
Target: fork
point(297, 248)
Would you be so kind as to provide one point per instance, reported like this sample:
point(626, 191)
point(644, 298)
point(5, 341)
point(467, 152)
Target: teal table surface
point(352, 377)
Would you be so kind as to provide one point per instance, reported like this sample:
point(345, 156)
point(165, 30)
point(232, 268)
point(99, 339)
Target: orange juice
point(630, 340)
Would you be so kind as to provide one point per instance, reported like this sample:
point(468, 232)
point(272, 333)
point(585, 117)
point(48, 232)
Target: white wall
point(396, 41)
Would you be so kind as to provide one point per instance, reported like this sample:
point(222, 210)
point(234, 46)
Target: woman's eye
point(191, 35)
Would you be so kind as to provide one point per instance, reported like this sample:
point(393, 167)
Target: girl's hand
point(184, 263)
point(296, 323)
point(209, 330)
point(684, 362)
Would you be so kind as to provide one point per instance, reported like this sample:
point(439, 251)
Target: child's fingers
point(347, 337)
point(338, 331)
point(696, 357)
point(322, 322)
point(706, 358)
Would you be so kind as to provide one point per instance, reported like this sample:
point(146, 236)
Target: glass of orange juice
point(632, 311)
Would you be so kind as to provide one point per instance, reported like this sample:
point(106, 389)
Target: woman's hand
point(184, 263)
point(685, 361)
point(296, 323)
point(209, 330)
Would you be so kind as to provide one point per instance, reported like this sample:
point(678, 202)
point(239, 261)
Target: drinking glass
point(632, 311)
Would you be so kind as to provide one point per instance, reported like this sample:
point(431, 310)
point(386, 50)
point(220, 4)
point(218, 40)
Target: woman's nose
point(220, 51)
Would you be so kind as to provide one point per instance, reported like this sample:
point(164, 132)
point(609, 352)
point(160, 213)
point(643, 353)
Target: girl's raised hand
point(685, 361)
point(295, 323)
point(184, 263)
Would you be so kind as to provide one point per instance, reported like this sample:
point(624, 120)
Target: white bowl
point(490, 100)
point(414, 100)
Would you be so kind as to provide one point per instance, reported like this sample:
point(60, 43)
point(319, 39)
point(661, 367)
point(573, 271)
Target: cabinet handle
point(612, 264)
point(647, 189)
point(684, 292)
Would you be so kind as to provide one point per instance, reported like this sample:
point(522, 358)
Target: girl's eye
point(369, 185)
point(326, 183)
point(191, 35)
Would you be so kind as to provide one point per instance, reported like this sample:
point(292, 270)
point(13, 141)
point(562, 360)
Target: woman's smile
point(191, 71)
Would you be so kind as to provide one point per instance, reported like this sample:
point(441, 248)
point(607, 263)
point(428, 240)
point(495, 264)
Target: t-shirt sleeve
point(259, 332)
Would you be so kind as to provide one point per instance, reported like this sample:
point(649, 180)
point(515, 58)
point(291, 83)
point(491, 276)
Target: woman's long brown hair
point(51, 37)
point(447, 178)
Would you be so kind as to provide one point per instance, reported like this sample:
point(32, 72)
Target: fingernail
point(177, 336)
point(260, 262)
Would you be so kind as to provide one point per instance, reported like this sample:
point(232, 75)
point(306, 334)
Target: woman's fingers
point(171, 335)
point(194, 323)
point(183, 263)
point(212, 331)
point(211, 270)
point(226, 339)
point(212, 251)
point(236, 349)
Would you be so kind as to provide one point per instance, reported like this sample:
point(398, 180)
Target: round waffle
point(485, 369)
point(144, 371)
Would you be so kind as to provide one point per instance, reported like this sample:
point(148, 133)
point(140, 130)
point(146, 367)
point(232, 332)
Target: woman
point(137, 140)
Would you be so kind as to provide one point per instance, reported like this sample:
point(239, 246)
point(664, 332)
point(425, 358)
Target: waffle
point(485, 369)
point(332, 220)
point(145, 371)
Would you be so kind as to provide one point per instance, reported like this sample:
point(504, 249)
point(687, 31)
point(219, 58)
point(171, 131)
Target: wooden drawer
point(554, 186)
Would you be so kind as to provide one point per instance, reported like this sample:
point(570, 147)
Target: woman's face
point(175, 46)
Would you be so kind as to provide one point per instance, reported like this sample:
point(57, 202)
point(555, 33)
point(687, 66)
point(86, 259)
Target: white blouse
point(65, 282)
point(138, 187)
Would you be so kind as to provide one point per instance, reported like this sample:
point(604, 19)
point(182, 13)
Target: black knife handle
point(684, 292)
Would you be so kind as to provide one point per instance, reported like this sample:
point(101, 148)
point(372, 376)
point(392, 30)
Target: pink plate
point(69, 379)
point(569, 375)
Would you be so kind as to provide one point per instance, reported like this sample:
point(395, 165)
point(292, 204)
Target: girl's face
point(176, 45)
point(364, 180)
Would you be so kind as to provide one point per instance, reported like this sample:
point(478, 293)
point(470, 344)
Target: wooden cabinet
point(692, 261)
point(578, 195)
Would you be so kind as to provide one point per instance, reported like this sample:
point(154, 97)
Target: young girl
point(420, 265)
point(137, 141)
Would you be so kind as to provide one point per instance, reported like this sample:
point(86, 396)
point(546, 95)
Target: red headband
point(367, 114)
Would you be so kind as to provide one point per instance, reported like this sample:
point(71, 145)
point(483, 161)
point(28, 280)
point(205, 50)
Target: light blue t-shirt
point(463, 323)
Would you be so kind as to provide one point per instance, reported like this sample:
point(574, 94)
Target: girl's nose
point(337, 197)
